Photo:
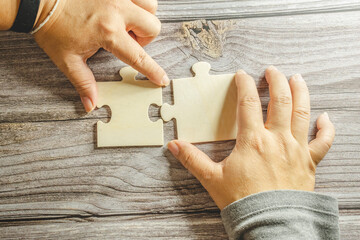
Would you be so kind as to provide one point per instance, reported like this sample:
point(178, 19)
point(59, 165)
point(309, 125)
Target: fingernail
point(272, 68)
point(241, 72)
point(165, 81)
point(326, 115)
point(297, 77)
point(173, 147)
point(88, 105)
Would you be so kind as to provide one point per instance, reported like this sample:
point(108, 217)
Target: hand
point(271, 156)
point(78, 29)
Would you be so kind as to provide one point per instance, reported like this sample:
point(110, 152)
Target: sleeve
point(283, 214)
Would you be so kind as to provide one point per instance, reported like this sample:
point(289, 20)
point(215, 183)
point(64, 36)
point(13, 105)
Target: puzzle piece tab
point(204, 106)
point(129, 101)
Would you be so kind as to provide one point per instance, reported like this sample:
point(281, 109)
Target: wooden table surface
point(55, 183)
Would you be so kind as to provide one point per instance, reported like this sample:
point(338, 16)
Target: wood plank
point(50, 168)
point(312, 45)
point(54, 170)
point(349, 224)
point(40, 150)
point(184, 10)
point(173, 226)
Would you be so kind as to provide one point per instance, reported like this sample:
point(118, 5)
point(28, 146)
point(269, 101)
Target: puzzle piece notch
point(129, 101)
point(204, 106)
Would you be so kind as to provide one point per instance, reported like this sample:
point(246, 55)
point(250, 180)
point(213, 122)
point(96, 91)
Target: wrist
point(8, 12)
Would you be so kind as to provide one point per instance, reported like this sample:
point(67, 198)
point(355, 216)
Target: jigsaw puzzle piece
point(129, 101)
point(204, 106)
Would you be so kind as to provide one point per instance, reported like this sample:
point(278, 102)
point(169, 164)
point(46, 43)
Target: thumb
point(82, 78)
point(324, 138)
point(196, 161)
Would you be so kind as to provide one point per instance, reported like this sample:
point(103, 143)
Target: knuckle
point(257, 143)
point(250, 101)
point(138, 59)
point(282, 99)
point(106, 26)
point(77, 77)
point(207, 174)
point(108, 31)
point(254, 142)
point(302, 113)
point(66, 66)
point(326, 143)
point(70, 68)
point(109, 42)
point(83, 85)
point(187, 160)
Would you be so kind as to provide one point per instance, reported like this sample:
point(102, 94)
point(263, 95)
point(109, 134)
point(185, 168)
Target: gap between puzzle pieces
point(204, 109)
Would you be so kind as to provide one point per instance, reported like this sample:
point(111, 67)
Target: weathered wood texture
point(171, 226)
point(175, 10)
point(159, 226)
point(55, 182)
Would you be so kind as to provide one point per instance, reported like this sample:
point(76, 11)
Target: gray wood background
point(55, 183)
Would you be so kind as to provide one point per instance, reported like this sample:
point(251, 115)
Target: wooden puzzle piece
point(204, 106)
point(129, 101)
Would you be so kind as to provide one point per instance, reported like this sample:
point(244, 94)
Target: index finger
point(129, 51)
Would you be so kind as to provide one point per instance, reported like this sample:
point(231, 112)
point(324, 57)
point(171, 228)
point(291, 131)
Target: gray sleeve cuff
point(283, 214)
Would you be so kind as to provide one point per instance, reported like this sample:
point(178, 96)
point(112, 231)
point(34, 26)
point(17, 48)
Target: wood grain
point(155, 226)
point(314, 46)
point(171, 226)
point(55, 167)
point(184, 10)
point(51, 174)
